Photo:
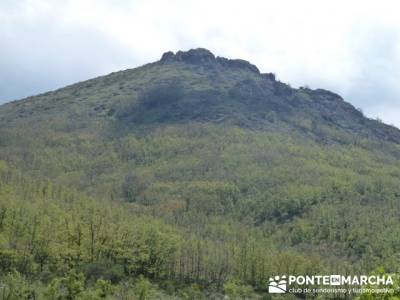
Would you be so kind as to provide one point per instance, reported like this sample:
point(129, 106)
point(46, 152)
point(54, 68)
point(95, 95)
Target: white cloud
point(351, 47)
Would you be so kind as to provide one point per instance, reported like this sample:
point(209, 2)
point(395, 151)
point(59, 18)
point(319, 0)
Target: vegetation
point(191, 178)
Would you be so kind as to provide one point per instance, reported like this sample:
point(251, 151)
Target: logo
point(318, 283)
point(277, 285)
point(335, 280)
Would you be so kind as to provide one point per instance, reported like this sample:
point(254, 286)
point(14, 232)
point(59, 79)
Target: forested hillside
point(193, 177)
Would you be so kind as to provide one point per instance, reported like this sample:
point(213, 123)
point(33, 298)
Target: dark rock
point(195, 56)
point(237, 63)
point(167, 56)
point(201, 56)
point(250, 89)
point(269, 76)
point(328, 95)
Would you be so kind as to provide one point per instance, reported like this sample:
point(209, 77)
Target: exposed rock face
point(201, 56)
point(167, 56)
point(269, 76)
point(237, 63)
point(193, 56)
point(328, 95)
point(196, 56)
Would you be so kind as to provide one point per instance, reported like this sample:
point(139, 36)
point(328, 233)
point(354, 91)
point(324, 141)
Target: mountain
point(196, 86)
point(193, 176)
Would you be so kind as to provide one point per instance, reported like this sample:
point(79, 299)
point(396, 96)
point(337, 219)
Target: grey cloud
point(41, 56)
point(377, 88)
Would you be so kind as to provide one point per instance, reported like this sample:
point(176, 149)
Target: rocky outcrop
point(194, 56)
point(237, 63)
point(328, 95)
point(201, 56)
point(269, 76)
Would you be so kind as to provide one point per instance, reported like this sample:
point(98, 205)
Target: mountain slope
point(236, 162)
point(196, 86)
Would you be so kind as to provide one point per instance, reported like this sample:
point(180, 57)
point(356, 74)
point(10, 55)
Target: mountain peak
point(202, 56)
point(193, 56)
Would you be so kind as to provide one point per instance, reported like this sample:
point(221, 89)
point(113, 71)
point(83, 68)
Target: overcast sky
point(350, 47)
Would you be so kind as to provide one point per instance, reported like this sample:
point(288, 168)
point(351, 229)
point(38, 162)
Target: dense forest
point(193, 177)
